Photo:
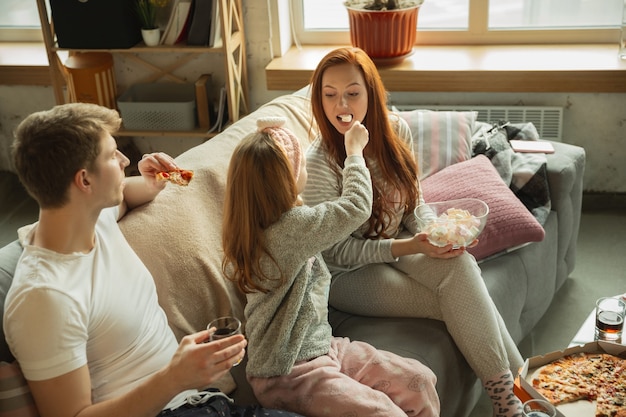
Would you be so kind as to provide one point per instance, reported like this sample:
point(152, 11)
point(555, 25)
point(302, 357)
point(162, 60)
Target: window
point(478, 21)
point(19, 21)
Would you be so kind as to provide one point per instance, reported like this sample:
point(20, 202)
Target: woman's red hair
point(392, 155)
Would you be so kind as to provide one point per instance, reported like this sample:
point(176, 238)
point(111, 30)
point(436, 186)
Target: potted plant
point(385, 29)
point(148, 14)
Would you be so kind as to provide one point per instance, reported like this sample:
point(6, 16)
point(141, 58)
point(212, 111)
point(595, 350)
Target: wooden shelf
point(141, 48)
point(232, 47)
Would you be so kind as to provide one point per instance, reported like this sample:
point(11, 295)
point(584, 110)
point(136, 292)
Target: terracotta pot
point(386, 35)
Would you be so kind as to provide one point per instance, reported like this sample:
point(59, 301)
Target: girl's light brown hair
point(259, 189)
point(392, 155)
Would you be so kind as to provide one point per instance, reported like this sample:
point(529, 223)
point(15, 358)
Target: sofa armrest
point(566, 167)
point(9, 256)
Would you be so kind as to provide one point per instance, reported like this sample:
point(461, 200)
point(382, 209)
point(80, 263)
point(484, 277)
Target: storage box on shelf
point(161, 106)
point(232, 47)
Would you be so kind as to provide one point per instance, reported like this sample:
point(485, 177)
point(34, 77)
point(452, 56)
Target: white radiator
point(547, 120)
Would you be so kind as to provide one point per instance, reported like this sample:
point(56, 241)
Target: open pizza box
point(583, 408)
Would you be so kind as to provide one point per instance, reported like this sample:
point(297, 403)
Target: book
point(200, 23)
point(182, 36)
point(215, 35)
point(222, 112)
point(537, 146)
point(177, 22)
point(204, 104)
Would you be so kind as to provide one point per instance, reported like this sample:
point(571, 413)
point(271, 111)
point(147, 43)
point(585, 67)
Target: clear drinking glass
point(538, 408)
point(224, 327)
point(610, 313)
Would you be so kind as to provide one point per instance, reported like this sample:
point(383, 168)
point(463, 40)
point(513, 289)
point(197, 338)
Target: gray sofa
point(522, 283)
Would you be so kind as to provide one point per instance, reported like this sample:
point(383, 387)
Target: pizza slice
point(178, 176)
point(611, 401)
point(565, 380)
point(598, 377)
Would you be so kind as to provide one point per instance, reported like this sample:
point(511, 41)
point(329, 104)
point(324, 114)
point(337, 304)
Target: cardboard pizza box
point(523, 384)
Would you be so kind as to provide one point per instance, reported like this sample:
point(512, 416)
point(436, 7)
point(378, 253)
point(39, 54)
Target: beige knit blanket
point(178, 235)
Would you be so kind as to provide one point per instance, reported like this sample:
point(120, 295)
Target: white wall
point(596, 122)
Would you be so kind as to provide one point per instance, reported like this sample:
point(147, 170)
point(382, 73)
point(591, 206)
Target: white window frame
point(477, 33)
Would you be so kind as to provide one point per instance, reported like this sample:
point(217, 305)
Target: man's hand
point(198, 363)
point(153, 163)
point(141, 190)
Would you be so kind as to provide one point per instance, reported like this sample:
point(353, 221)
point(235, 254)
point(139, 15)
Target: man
point(82, 316)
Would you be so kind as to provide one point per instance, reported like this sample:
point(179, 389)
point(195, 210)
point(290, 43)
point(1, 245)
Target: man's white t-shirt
point(100, 308)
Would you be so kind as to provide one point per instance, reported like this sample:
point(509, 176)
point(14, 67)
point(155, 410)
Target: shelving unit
point(232, 48)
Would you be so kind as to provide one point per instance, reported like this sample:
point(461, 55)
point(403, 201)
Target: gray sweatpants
point(451, 290)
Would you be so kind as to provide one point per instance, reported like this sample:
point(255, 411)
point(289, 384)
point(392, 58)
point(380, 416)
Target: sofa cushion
point(9, 256)
point(17, 400)
point(509, 223)
point(441, 138)
point(188, 220)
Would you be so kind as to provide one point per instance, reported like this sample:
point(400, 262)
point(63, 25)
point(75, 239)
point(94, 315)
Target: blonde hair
point(259, 189)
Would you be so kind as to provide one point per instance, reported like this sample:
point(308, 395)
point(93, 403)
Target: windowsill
point(24, 63)
point(470, 68)
point(495, 68)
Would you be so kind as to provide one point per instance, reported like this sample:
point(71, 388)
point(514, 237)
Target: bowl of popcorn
point(454, 222)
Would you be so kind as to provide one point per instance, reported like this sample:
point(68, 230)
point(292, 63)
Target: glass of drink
point(224, 327)
point(538, 408)
point(610, 319)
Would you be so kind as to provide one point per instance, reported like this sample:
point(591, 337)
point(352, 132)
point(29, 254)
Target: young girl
point(272, 247)
point(385, 266)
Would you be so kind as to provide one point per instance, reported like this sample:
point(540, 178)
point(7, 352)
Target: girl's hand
point(356, 138)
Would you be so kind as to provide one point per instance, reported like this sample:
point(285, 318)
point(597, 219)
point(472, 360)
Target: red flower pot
point(386, 35)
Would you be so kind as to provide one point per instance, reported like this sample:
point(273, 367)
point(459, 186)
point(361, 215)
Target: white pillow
point(441, 138)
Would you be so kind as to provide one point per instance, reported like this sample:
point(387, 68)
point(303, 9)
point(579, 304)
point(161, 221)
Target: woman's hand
point(356, 138)
point(198, 363)
point(420, 244)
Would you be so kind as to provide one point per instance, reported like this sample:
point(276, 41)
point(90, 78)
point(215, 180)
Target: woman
point(387, 267)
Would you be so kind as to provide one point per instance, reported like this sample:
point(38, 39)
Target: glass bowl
point(454, 222)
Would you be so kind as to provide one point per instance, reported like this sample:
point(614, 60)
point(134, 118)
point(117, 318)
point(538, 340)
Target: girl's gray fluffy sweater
point(290, 322)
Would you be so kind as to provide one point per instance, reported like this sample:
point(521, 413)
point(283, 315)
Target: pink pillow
point(509, 222)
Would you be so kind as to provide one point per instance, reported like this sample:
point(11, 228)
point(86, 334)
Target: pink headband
point(273, 126)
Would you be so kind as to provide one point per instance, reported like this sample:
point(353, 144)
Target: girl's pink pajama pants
point(353, 379)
